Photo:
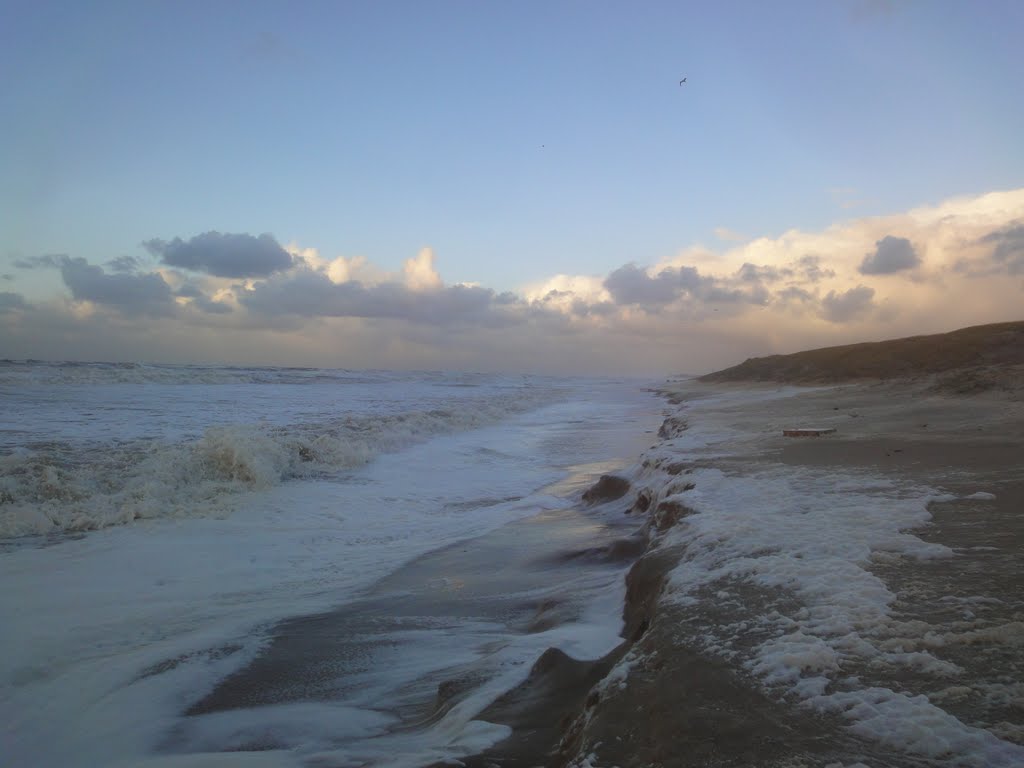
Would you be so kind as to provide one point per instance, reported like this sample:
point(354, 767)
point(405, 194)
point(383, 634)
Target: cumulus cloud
point(223, 254)
point(309, 293)
point(132, 294)
point(419, 273)
point(690, 311)
point(809, 268)
point(567, 290)
point(340, 269)
point(1009, 247)
point(794, 294)
point(199, 300)
point(123, 264)
point(804, 270)
point(211, 307)
point(847, 306)
point(761, 273)
point(189, 291)
point(629, 284)
point(11, 301)
point(892, 254)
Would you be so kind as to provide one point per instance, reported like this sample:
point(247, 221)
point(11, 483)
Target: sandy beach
point(697, 589)
point(863, 605)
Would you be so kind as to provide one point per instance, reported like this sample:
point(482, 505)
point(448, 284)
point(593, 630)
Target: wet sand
point(659, 698)
point(428, 637)
point(684, 707)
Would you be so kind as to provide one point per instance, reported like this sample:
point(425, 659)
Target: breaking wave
point(62, 487)
point(40, 372)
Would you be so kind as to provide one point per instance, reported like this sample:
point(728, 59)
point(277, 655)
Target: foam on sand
point(785, 558)
point(118, 633)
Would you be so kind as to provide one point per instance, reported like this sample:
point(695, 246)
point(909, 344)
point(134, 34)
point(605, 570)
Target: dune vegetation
point(970, 359)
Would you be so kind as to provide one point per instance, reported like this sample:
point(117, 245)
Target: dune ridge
point(972, 359)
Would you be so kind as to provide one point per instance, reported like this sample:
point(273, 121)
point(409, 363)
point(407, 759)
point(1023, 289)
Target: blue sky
point(516, 141)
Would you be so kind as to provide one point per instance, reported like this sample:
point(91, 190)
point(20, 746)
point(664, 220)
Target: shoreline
point(185, 642)
point(667, 697)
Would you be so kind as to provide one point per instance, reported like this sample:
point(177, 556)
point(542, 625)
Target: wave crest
point(61, 488)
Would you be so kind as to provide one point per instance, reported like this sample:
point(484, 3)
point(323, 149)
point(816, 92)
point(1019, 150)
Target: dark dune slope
point(979, 357)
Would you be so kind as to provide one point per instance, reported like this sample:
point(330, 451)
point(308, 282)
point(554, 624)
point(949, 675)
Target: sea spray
point(89, 480)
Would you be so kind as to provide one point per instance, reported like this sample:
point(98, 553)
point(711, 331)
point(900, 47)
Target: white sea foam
point(273, 758)
point(812, 535)
point(982, 496)
point(86, 477)
point(18, 373)
point(458, 732)
point(913, 724)
point(109, 637)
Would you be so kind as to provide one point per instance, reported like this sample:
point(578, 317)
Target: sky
point(504, 186)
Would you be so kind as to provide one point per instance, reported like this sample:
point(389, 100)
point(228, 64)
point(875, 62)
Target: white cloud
point(588, 288)
point(419, 273)
point(847, 306)
point(692, 311)
point(340, 269)
point(892, 254)
point(223, 254)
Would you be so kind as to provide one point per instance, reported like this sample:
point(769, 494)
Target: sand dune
point(967, 360)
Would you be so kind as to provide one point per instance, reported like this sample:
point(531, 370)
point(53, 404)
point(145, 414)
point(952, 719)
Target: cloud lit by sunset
point(524, 198)
point(925, 270)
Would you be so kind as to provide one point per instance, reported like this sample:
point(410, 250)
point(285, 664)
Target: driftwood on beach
point(808, 432)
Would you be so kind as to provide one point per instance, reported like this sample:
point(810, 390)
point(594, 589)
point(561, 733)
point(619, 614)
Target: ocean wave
point(39, 372)
point(35, 372)
point(62, 487)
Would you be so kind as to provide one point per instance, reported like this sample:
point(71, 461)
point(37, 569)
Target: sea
point(276, 567)
point(216, 565)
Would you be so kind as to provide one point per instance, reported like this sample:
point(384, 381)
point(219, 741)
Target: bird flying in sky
point(682, 81)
